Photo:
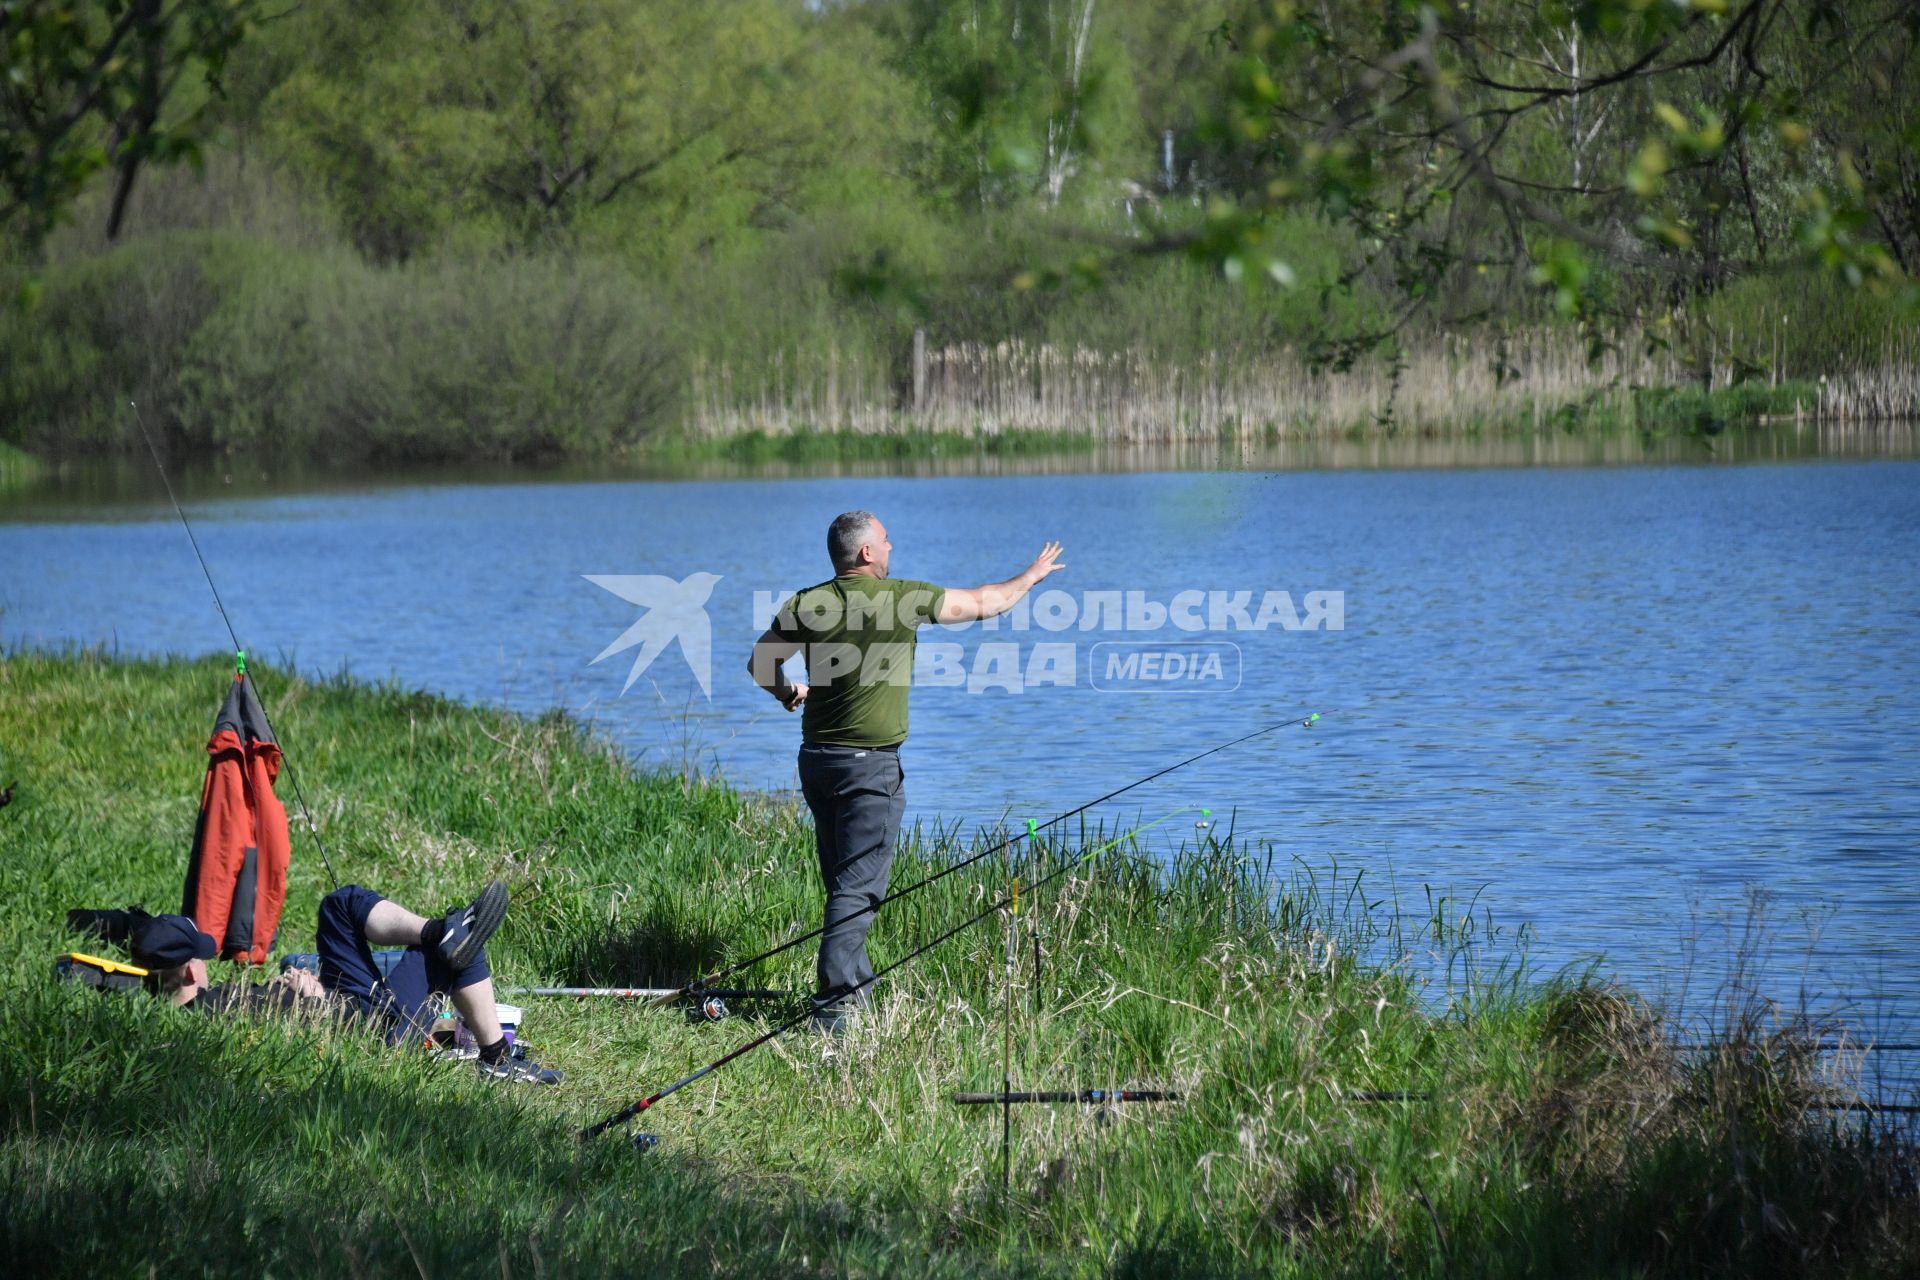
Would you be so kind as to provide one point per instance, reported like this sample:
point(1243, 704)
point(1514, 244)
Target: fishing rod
point(648, 993)
point(1844, 1104)
point(633, 1109)
point(709, 1006)
point(239, 650)
point(1103, 1096)
point(1100, 1097)
point(1817, 1046)
point(1097, 1097)
point(1033, 830)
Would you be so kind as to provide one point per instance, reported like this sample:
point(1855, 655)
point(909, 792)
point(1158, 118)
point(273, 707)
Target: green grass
point(1570, 1136)
point(1657, 411)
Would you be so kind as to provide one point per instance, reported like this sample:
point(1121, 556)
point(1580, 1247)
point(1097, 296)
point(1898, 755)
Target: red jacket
point(237, 876)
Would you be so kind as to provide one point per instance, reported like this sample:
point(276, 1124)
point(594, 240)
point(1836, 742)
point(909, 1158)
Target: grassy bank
point(1569, 1136)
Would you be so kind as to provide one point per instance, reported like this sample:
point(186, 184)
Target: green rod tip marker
point(240, 661)
point(1033, 828)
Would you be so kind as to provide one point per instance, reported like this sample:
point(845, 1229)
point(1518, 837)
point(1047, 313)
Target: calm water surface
point(1607, 701)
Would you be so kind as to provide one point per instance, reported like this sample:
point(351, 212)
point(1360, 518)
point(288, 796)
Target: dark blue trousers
point(402, 998)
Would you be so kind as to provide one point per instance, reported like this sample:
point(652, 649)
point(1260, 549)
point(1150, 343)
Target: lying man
point(442, 956)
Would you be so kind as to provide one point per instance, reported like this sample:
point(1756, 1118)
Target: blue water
point(1603, 704)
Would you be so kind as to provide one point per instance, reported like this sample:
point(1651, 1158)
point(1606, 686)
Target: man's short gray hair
point(846, 535)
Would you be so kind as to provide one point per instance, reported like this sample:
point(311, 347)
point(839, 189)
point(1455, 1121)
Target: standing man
point(858, 631)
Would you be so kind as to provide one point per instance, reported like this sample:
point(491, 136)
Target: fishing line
point(630, 1111)
point(646, 993)
point(1092, 1097)
point(1033, 830)
point(239, 651)
point(1006, 1061)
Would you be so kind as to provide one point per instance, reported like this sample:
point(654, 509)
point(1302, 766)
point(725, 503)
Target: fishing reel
point(707, 1008)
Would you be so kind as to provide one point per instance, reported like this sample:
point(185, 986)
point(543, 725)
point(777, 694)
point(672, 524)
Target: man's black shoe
point(519, 1069)
point(830, 1021)
point(465, 930)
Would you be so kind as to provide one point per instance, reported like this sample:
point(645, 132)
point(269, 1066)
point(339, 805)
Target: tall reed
point(1527, 379)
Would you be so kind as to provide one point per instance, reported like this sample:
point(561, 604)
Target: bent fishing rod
point(630, 1111)
point(239, 651)
point(700, 984)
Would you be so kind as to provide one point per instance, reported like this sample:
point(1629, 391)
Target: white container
point(509, 1015)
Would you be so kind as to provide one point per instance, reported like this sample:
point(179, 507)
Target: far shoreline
point(26, 480)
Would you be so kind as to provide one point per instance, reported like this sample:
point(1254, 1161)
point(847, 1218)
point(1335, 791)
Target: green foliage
point(757, 447)
point(1657, 411)
point(228, 343)
point(1614, 153)
point(1803, 326)
point(649, 130)
point(508, 359)
point(1158, 303)
point(83, 88)
point(1033, 93)
point(103, 331)
point(17, 467)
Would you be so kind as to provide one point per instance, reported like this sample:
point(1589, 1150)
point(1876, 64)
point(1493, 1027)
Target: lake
point(1603, 703)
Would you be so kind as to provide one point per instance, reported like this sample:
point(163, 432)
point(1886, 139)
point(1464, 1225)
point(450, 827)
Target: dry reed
point(1519, 380)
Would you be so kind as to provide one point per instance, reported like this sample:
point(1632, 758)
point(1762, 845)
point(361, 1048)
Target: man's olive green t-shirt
point(858, 634)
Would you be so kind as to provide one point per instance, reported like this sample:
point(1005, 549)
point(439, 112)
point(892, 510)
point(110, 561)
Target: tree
point(83, 88)
point(1614, 152)
point(631, 124)
point(1025, 92)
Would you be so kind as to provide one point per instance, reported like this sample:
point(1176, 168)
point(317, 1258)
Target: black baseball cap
point(166, 941)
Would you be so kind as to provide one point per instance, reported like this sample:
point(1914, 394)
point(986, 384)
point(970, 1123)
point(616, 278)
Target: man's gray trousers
point(857, 796)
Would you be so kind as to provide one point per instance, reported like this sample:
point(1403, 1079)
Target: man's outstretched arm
point(962, 604)
point(766, 664)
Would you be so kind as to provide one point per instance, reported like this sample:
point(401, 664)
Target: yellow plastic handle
point(108, 966)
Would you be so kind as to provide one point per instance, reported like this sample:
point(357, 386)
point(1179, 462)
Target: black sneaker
point(831, 1021)
point(465, 930)
point(519, 1068)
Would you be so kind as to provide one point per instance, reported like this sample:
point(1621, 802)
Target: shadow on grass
point(158, 1140)
point(650, 952)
